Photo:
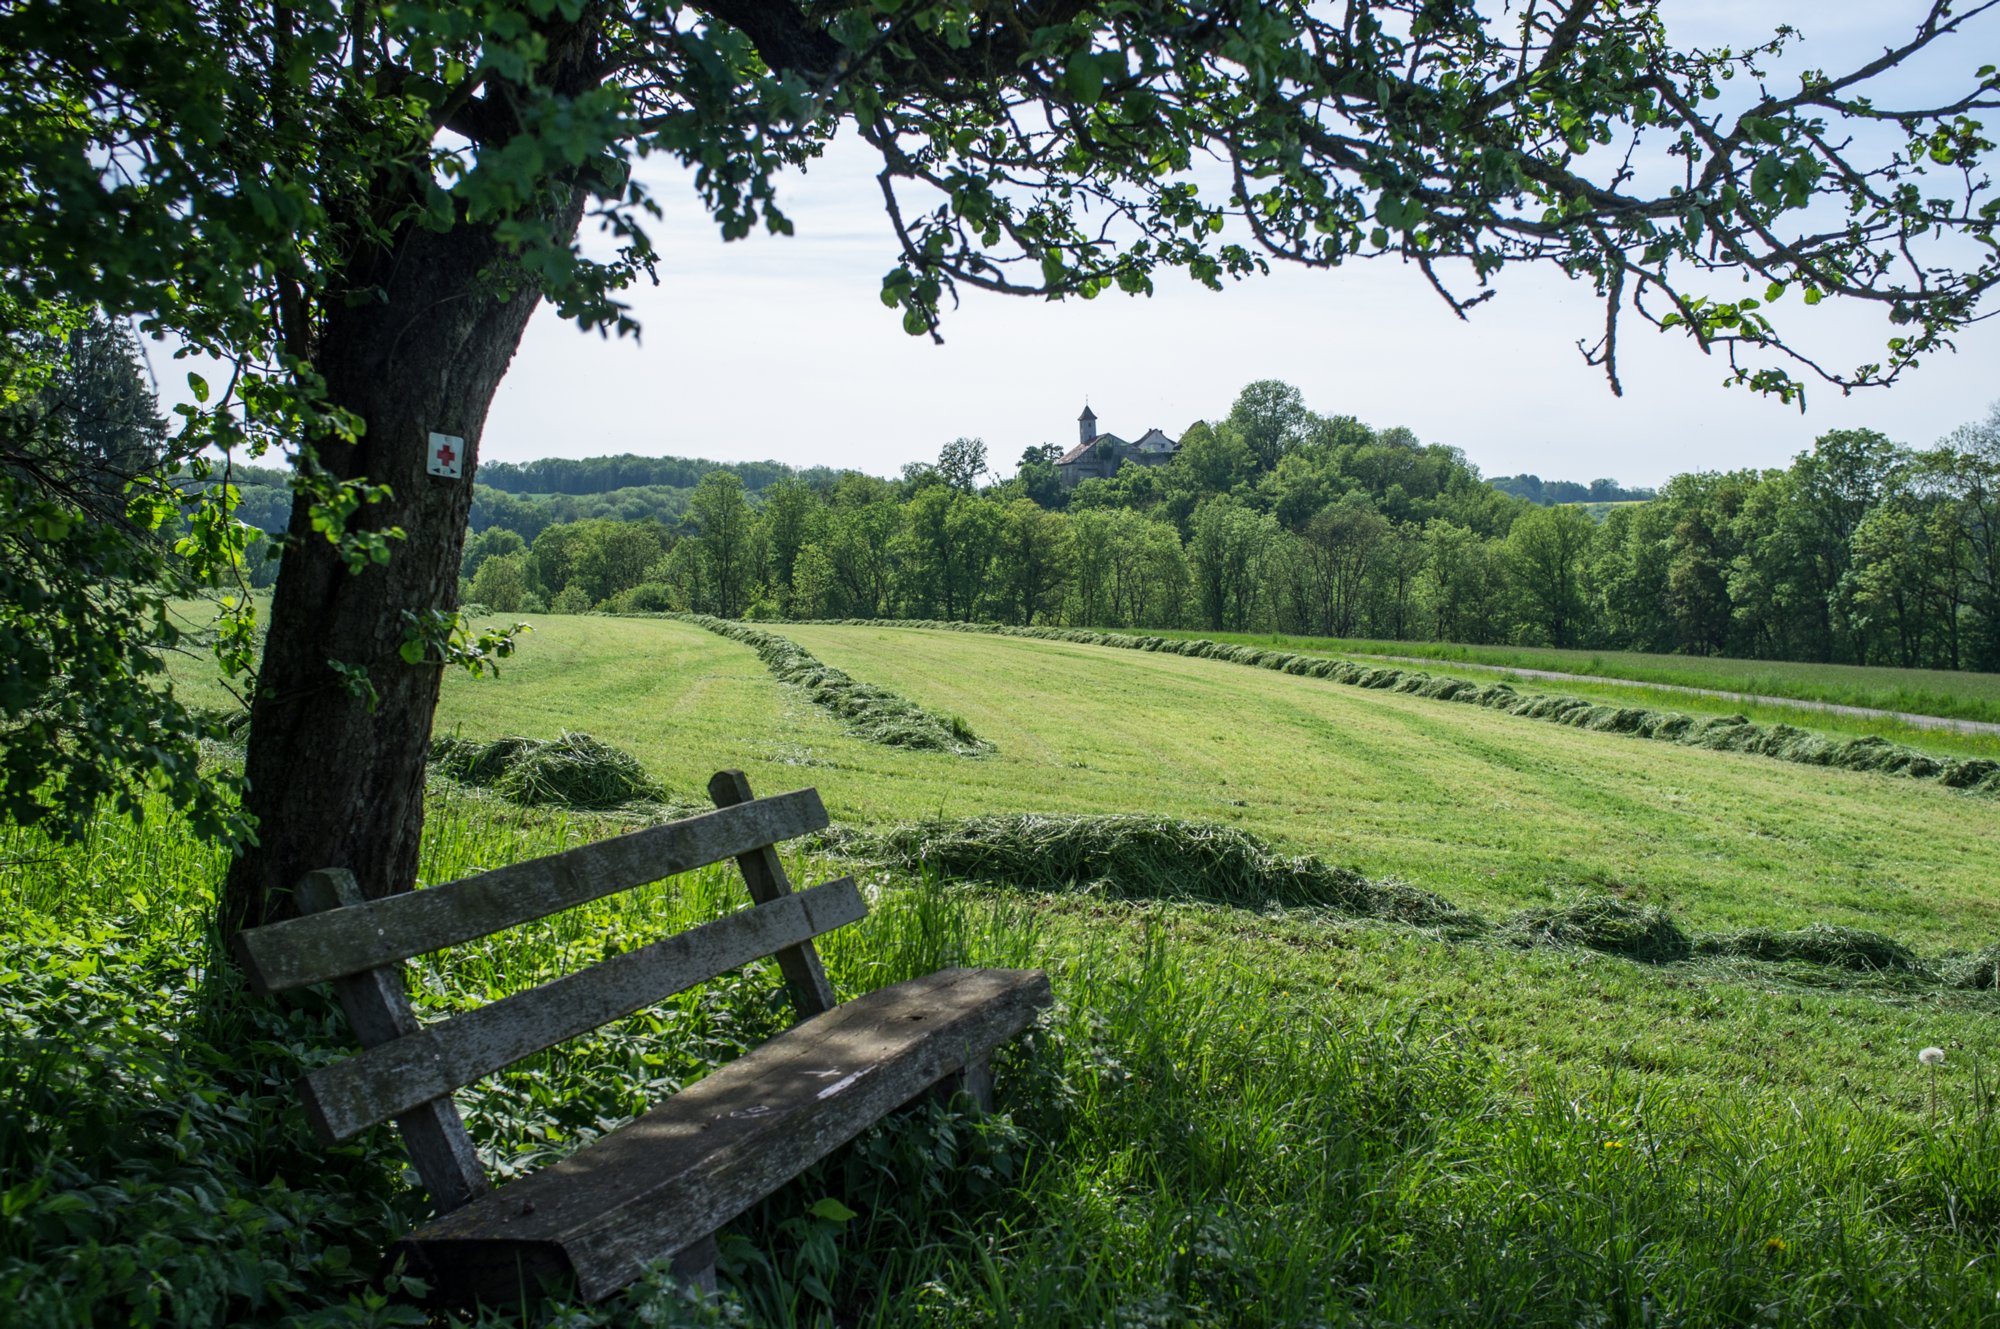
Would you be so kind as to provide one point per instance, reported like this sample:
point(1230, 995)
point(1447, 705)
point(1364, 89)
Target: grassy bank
point(1234, 1116)
point(1963, 695)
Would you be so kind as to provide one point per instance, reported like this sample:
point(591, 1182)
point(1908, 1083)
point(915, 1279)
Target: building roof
point(1087, 413)
point(1082, 450)
point(1155, 441)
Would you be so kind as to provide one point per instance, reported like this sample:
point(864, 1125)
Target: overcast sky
point(778, 347)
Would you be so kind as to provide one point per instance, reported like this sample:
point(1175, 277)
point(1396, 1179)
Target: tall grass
point(1195, 1135)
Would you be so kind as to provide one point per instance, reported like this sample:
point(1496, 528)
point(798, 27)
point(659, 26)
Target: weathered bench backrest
point(408, 1070)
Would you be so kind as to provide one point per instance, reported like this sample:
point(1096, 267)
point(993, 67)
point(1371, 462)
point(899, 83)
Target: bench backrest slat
point(349, 940)
point(393, 1077)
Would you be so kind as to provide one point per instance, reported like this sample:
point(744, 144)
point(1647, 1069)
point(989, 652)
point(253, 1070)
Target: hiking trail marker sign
point(446, 457)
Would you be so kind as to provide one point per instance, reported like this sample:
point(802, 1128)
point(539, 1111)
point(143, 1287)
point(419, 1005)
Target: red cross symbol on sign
point(447, 456)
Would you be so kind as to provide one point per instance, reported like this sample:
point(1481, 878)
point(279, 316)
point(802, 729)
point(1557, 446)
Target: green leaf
point(1083, 80)
point(830, 1210)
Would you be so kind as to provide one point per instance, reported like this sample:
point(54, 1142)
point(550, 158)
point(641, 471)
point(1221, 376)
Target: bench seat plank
point(666, 1181)
point(318, 947)
point(428, 1062)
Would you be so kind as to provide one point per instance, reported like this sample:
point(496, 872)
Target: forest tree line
point(1276, 518)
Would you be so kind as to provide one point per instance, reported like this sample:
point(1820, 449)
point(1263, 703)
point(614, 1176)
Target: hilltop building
point(1098, 456)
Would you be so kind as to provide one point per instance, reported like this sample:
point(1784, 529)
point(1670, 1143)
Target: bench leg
point(976, 1081)
point(695, 1265)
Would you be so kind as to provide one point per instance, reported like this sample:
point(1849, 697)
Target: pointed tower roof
point(1088, 414)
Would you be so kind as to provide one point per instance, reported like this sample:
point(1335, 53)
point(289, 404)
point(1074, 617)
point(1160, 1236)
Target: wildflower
point(1614, 1144)
point(1774, 1245)
point(1932, 1058)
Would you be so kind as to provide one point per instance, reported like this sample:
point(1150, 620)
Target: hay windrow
point(1141, 857)
point(1718, 733)
point(1978, 969)
point(1602, 923)
point(572, 770)
point(1822, 944)
point(869, 712)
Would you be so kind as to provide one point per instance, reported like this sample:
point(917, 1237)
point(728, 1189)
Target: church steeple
point(1086, 425)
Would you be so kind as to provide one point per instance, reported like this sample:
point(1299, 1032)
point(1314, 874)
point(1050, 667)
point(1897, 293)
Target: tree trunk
point(414, 340)
point(332, 781)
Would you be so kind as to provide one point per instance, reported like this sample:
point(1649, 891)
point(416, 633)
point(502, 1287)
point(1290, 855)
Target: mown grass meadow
point(1239, 1113)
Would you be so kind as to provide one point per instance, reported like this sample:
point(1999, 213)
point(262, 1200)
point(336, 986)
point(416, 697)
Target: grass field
point(1490, 810)
point(1234, 1116)
point(1962, 695)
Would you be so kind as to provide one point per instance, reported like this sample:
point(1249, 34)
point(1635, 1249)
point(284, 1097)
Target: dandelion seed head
point(1931, 1056)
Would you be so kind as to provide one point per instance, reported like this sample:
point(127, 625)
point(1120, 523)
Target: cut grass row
point(1961, 694)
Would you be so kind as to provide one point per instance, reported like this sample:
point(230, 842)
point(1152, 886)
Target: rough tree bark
point(425, 352)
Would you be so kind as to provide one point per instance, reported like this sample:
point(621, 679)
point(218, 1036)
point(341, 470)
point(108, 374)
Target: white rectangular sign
point(447, 456)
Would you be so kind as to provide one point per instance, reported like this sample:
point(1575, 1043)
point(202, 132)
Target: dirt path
point(1910, 718)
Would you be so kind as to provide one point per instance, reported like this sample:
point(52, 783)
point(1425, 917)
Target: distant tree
point(489, 544)
point(1037, 475)
point(1549, 549)
point(1030, 560)
point(812, 584)
point(1911, 564)
point(863, 533)
point(1340, 542)
point(1211, 461)
point(1714, 593)
point(961, 463)
point(1398, 565)
point(1271, 418)
point(1225, 551)
point(501, 583)
point(1090, 554)
point(1975, 449)
point(948, 541)
point(790, 520)
point(89, 514)
point(1630, 561)
point(1452, 585)
point(1336, 433)
point(720, 518)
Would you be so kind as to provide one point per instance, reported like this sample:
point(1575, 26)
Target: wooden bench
point(658, 1187)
